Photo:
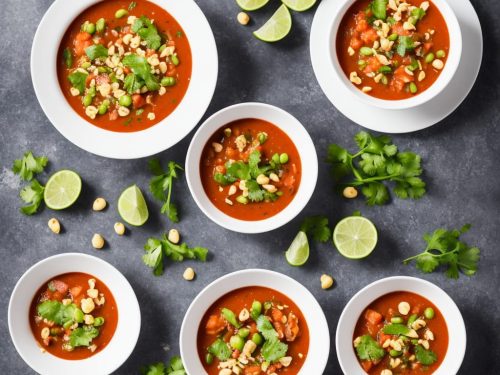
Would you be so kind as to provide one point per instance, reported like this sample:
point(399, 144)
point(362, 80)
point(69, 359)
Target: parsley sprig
point(174, 367)
point(444, 248)
point(161, 183)
point(378, 160)
point(159, 248)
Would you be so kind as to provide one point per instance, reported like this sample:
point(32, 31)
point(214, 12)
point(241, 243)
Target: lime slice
point(62, 189)
point(298, 252)
point(132, 207)
point(250, 5)
point(299, 5)
point(277, 27)
point(355, 237)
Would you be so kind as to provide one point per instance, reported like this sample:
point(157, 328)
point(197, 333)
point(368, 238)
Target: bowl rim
point(444, 78)
point(287, 123)
point(319, 335)
point(126, 334)
point(159, 137)
point(353, 309)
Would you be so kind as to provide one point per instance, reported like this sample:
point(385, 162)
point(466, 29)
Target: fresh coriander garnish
point(378, 160)
point(83, 336)
point(405, 43)
point(141, 68)
point(369, 350)
point(32, 195)
point(96, 51)
point(161, 183)
point(425, 357)
point(29, 165)
point(220, 349)
point(148, 32)
point(174, 367)
point(158, 248)
point(444, 248)
point(77, 80)
point(273, 349)
point(379, 9)
point(317, 227)
point(68, 58)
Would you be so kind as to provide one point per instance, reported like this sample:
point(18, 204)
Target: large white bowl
point(319, 336)
point(353, 310)
point(104, 362)
point(110, 144)
point(451, 66)
point(287, 123)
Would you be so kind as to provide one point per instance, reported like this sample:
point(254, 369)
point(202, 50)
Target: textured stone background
point(459, 158)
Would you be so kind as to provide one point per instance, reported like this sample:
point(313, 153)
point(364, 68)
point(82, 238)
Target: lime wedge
point(355, 237)
point(132, 207)
point(250, 5)
point(299, 5)
point(277, 27)
point(62, 189)
point(298, 252)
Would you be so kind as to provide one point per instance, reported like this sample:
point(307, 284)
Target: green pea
point(413, 88)
point(87, 100)
point(384, 80)
point(121, 13)
point(88, 27)
point(366, 51)
point(429, 58)
point(267, 305)
point(412, 319)
point(162, 47)
point(284, 158)
point(362, 64)
point(385, 69)
point(257, 338)
point(237, 342)
point(175, 60)
point(100, 25)
point(209, 358)
point(429, 313)
point(393, 37)
point(99, 321)
point(397, 320)
point(256, 309)
point(395, 353)
point(125, 100)
point(262, 137)
point(241, 199)
point(167, 81)
point(276, 158)
point(92, 91)
point(243, 332)
point(440, 54)
point(103, 107)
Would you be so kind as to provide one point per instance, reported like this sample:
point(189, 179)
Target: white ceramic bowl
point(104, 362)
point(287, 123)
point(110, 144)
point(319, 336)
point(351, 313)
point(439, 85)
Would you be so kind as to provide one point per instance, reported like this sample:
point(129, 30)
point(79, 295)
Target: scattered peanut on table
point(99, 204)
point(98, 241)
point(54, 225)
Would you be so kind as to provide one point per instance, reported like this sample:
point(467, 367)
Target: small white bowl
point(353, 310)
point(319, 336)
point(132, 145)
point(284, 121)
point(104, 362)
point(451, 66)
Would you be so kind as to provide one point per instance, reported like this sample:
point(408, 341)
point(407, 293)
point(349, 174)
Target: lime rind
point(298, 252)
point(62, 189)
point(299, 5)
point(250, 5)
point(277, 27)
point(355, 237)
point(132, 206)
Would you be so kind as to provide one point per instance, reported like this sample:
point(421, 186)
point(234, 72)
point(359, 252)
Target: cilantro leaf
point(141, 68)
point(266, 328)
point(376, 193)
point(379, 9)
point(77, 80)
point(317, 226)
point(58, 313)
point(273, 350)
point(68, 58)
point(405, 43)
point(396, 329)
point(418, 13)
point(369, 350)
point(220, 349)
point(29, 165)
point(147, 31)
point(162, 182)
point(96, 51)
point(33, 196)
point(174, 367)
point(425, 357)
point(83, 336)
point(132, 83)
point(340, 160)
point(154, 256)
point(154, 369)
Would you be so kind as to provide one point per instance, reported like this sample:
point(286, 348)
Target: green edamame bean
point(162, 47)
point(175, 60)
point(99, 321)
point(125, 100)
point(262, 137)
point(362, 64)
point(257, 338)
point(256, 309)
point(86, 65)
point(276, 158)
point(88, 27)
point(429, 58)
point(209, 358)
point(87, 100)
point(429, 313)
point(366, 51)
point(103, 107)
point(284, 158)
point(395, 353)
point(440, 54)
point(412, 319)
point(243, 332)
point(167, 81)
point(385, 69)
point(237, 342)
point(267, 305)
point(121, 13)
point(100, 25)
point(397, 320)
point(241, 199)
point(413, 88)
point(68, 324)
point(393, 37)
point(384, 80)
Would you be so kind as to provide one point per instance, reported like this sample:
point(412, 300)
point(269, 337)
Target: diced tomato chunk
point(252, 370)
point(382, 337)
point(81, 42)
point(428, 46)
point(113, 115)
point(367, 365)
point(373, 316)
point(373, 65)
point(138, 101)
point(369, 36)
point(215, 324)
point(356, 43)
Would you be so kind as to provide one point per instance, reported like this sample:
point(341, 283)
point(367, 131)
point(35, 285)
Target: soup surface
point(393, 49)
point(124, 66)
point(250, 169)
point(73, 316)
point(255, 328)
point(403, 333)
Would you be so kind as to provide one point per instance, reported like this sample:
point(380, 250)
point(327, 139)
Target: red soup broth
point(147, 109)
point(74, 286)
point(277, 142)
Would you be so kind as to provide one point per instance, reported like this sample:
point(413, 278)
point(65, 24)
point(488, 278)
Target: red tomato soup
point(124, 66)
point(393, 50)
point(257, 329)
point(401, 332)
point(73, 316)
point(250, 169)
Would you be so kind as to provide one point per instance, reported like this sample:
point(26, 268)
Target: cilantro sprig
point(377, 161)
point(317, 227)
point(444, 248)
point(162, 182)
point(29, 165)
point(369, 350)
point(141, 68)
point(147, 31)
point(174, 367)
point(273, 349)
point(159, 248)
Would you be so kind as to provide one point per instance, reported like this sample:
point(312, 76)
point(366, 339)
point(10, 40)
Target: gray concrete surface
point(459, 156)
